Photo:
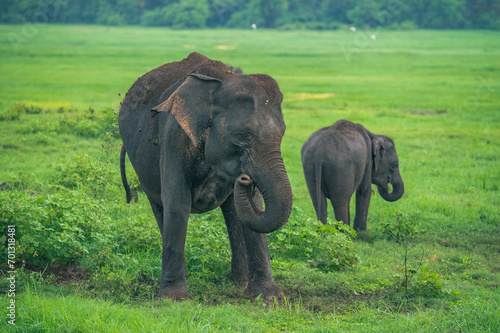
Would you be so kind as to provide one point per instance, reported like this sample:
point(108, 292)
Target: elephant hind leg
point(318, 198)
point(342, 210)
point(321, 208)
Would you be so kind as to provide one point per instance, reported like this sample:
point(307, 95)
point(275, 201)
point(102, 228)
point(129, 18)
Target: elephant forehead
point(240, 86)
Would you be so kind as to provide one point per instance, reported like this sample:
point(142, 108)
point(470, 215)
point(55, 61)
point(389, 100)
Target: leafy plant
point(52, 228)
point(405, 232)
point(84, 173)
point(326, 247)
point(121, 277)
point(89, 125)
point(208, 253)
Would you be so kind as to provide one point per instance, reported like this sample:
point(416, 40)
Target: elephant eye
point(243, 138)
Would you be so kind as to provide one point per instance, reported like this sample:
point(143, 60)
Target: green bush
point(208, 251)
point(90, 125)
point(82, 172)
point(326, 247)
point(121, 277)
point(52, 228)
point(15, 112)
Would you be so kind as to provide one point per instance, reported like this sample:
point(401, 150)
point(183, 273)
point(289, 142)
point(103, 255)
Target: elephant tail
point(130, 194)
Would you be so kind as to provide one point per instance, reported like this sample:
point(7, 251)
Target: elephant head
point(386, 168)
point(236, 120)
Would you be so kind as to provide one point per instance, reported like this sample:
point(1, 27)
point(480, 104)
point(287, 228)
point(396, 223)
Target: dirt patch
point(225, 47)
point(68, 274)
point(427, 112)
point(307, 96)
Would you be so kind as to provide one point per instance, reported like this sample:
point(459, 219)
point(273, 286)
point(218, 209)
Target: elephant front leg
point(259, 266)
point(250, 264)
point(173, 272)
point(239, 260)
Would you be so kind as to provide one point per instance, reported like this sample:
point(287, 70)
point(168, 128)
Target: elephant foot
point(180, 294)
point(240, 277)
point(267, 290)
point(240, 282)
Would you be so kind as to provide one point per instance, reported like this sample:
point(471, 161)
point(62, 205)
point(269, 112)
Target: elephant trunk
point(272, 181)
point(398, 189)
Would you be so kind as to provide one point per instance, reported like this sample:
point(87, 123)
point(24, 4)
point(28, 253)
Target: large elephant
point(200, 137)
point(346, 158)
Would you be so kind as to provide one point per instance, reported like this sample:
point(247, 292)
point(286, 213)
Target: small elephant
point(200, 137)
point(344, 158)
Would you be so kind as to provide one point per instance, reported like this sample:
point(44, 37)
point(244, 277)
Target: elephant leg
point(239, 260)
point(176, 209)
point(318, 198)
point(321, 207)
point(363, 195)
point(341, 210)
point(158, 213)
point(261, 280)
point(251, 263)
point(340, 190)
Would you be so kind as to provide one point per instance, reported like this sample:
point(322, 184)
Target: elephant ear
point(191, 104)
point(377, 151)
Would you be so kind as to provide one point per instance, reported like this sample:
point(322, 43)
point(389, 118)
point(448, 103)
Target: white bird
point(373, 37)
point(254, 26)
point(353, 29)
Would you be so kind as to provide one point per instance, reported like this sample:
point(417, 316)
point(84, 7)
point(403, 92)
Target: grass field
point(434, 92)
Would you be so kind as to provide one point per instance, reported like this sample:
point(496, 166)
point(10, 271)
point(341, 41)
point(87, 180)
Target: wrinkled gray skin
point(201, 137)
point(346, 158)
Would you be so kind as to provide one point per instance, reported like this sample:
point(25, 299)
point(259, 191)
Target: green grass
point(60, 143)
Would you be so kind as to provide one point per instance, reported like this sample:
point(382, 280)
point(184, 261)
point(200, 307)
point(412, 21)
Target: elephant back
point(147, 90)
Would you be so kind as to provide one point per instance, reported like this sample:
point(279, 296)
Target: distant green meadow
point(435, 93)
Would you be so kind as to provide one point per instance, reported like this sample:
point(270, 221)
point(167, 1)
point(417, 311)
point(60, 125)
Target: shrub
point(208, 251)
point(93, 177)
point(51, 228)
point(326, 247)
point(89, 125)
point(15, 112)
point(415, 280)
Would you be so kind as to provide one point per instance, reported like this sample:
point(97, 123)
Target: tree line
point(285, 14)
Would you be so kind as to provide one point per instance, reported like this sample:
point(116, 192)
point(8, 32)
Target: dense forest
point(285, 14)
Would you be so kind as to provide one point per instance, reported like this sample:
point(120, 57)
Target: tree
point(444, 14)
point(221, 11)
point(264, 13)
point(187, 14)
point(271, 10)
point(482, 14)
point(336, 10)
point(365, 13)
